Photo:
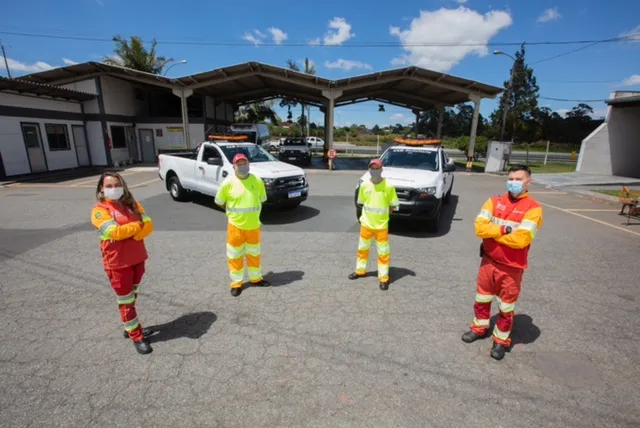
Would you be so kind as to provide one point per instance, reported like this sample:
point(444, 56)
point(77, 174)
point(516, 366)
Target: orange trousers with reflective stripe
point(125, 283)
point(384, 253)
point(503, 283)
point(241, 243)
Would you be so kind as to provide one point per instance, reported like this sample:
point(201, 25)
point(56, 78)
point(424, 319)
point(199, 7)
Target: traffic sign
point(332, 154)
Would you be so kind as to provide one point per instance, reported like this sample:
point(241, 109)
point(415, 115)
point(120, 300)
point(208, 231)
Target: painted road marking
point(548, 193)
point(593, 210)
point(590, 218)
point(144, 183)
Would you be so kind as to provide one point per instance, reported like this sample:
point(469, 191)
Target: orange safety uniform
point(504, 259)
point(123, 255)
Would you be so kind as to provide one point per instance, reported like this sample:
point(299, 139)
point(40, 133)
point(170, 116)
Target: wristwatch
point(508, 229)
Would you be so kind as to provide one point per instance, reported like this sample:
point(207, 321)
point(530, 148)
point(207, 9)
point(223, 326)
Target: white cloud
point(67, 61)
point(632, 81)
point(259, 33)
point(28, 68)
point(252, 39)
point(549, 15)
point(347, 65)
point(635, 32)
point(462, 1)
point(400, 118)
point(278, 35)
point(315, 42)
point(448, 26)
point(340, 34)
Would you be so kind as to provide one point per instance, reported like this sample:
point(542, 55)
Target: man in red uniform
point(507, 225)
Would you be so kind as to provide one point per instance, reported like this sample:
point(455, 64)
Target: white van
point(256, 133)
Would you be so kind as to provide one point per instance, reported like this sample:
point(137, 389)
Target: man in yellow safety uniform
point(378, 198)
point(242, 195)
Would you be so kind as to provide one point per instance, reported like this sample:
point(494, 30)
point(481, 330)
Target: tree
point(258, 112)
point(520, 98)
point(309, 68)
point(133, 54)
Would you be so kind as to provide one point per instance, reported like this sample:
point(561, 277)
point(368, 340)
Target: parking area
point(314, 350)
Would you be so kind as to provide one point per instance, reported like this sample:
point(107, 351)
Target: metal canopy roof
point(22, 86)
point(411, 87)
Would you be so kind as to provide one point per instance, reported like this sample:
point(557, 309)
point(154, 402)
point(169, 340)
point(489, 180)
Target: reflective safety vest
point(376, 199)
point(117, 251)
point(242, 200)
point(523, 214)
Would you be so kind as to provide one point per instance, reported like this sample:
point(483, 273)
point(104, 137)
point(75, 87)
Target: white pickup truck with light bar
point(203, 169)
point(422, 175)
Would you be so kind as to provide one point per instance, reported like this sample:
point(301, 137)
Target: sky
point(348, 38)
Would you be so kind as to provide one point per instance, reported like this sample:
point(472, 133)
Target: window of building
point(57, 136)
point(118, 137)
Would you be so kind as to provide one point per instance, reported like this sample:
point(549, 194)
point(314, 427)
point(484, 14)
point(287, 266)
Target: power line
point(572, 101)
point(346, 45)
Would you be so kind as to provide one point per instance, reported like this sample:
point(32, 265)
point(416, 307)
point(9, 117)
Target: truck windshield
point(251, 136)
point(252, 152)
point(413, 159)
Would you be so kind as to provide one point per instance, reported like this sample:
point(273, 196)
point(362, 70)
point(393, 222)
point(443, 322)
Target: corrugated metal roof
point(35, 88)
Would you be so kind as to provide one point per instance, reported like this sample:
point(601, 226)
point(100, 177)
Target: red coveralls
point(504, 259)
point(123, 255)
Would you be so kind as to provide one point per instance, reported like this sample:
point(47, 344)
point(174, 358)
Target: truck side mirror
point(450, 167)
point(214, 161)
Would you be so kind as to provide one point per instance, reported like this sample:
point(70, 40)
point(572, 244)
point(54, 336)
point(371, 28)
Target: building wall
point(120, 98)
point(595, 152)
point(32, 110)
point(88, 86)
point(624, 139)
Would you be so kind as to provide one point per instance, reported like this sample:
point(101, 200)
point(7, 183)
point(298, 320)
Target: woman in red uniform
point(122, 227)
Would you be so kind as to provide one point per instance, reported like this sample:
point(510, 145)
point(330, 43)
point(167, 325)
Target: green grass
point(536, 167)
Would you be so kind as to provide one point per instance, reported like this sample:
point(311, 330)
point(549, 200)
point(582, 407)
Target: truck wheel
point(447, 198)
point(176, 190)
point(433, 225)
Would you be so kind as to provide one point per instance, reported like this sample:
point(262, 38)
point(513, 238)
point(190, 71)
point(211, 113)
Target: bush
point(462, 143)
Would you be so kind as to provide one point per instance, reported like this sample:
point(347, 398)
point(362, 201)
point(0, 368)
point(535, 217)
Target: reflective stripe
point(481, 323)
point(383, 271)
point(252, 249)
point(383, 248)
point(136, 289)
point(484, 214)
point(364, 244)
point(531, 226)
point(254, 273)
point(506, 307)
point(376, 210)
point(237, 275)
point(361, 265)
point(106, 228)
point(126, 300)
point(484, 298)
point(235, 252)
point(502, 335)
point(263, 198)
point(146, 218)
point(218, 201)
point(131, 325)
point(502, 222)
point(243, 210)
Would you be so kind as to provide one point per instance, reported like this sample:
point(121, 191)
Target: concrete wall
point(595, 152)
point(12, 145)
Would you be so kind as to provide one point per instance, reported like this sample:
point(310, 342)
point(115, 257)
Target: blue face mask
point(515, 187)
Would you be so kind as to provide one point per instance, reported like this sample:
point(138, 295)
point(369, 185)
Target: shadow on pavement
point(191, 326)
point(524, 330)
point(278, 279)
point(395, 273)
point(417, 229)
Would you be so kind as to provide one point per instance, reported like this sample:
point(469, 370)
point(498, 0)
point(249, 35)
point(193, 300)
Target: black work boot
point(143, 347)
point(497, 351)
point(146, 332)
point(384, 285)
point(472, 336)
point(235, 292)
point(354, 275)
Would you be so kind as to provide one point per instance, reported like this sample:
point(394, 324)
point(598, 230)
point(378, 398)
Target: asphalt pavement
point(315, 349)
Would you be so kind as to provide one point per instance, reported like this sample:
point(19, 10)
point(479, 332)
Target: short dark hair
point(514, 168)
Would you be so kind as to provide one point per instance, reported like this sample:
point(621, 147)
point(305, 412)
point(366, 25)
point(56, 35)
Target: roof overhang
point(20, 86)
point(628, 101)
point(410, 87)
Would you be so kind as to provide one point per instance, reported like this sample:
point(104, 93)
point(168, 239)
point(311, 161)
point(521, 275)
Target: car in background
point(295, 149)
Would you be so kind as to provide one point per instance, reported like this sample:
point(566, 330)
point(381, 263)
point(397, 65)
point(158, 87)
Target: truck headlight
point(425, 192)
point(268, 182)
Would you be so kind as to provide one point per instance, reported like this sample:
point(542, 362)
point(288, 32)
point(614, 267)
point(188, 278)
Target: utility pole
point(6, 62)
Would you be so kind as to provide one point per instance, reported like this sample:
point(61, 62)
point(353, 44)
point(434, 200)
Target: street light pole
point(184, 61)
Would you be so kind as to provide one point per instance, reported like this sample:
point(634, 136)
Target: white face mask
point(113, 193)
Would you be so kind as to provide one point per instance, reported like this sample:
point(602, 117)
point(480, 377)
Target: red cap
point(375, 162)
point(239, 156)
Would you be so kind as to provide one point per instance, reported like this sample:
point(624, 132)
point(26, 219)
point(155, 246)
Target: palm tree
point(133, 54)
point(309, 68)
point(258, 112)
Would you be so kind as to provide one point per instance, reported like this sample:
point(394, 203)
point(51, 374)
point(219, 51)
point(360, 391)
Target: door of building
point(147, 146)
point(130, 133)
point(81, 145)
point(33, 143)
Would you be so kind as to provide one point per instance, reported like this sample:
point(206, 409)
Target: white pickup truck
point(203, 170)
point(423, 178)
